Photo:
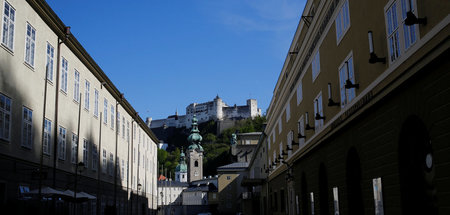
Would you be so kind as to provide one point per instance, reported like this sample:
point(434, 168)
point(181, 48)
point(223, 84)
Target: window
point(318, 110)
point(279, 125)
point(393, 34)
point(409, 32)
point(315, 66)
point(299, 93)
point(112, 117)
point(96, 102)
point(30, 45)
point(87, 89)
point(312, 202)
point(134, 154)
point(62, 143)
point(76, 86)
point(196, 163)
point(128, 131)
point(9, 17)
point(27, 128)
point(301, 131)
point(118, 123)
point(123, 127)
point(5, 117)
point(47, 136)
point(73, 153)
point(282, 201)
point(288, 111)
point(104, 164)
point(49, 63)
point(290, 137)
point(399, 39)
point(94, 157)
point(85, 152)
point(342, 21)
point(64, 69)
point(346, 73)
point(111, 164)
point(105, 111)
point(123, 169)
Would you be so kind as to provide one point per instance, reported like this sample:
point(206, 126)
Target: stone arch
point(323, 190)
point(353, 179)
point(416, 168)
point(304, 194)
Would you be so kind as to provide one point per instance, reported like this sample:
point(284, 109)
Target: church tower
point(195, 153)
point(181, 169)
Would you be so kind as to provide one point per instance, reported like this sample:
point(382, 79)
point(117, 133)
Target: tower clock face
point(196, 173)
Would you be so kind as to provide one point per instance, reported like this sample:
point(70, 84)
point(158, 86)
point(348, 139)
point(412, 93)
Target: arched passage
point(304, 194)
point(353, 178)
point(323, 190)
point(416, 168)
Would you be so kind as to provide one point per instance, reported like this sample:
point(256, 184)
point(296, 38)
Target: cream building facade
point(58, 108)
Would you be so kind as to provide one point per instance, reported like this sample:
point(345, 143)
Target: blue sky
point(164, 55)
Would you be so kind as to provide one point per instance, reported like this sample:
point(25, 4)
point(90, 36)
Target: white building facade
point(58, 108)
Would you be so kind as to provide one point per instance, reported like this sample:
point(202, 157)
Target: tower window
point(196, 164)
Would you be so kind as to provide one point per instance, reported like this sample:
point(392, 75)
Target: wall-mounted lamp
point(280, 158)
point(283, 153)
point(318, 116)
point(294, 52)
point(348, 83)
point(411, 19)
point(330, 97)
point(288, 148)
point(308, 127)
point(373, 57)
point(306, 20)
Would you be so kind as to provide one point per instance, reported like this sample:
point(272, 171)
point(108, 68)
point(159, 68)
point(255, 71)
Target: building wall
point(24, 85)
point(387, 95)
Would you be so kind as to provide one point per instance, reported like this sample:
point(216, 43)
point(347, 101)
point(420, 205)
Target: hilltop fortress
point(215, 110)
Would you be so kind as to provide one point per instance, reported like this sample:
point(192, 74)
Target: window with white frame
point(299, 93)
point(134, 154)
point(315, 65)
point(87, 89)
point(49, 63)
point(64, 70)
point(279, 125)
point(122, 169)
point(274, 155)
point(281, 148)
point(30, 45)
point(111, 164)
point(94, 157)
point(318, 109)
point(128, 131)
point(346, 72)
point(112, 117)
point(62, 143)
point(104, 163)
point(400, 36)
point(336, 200)
point(290, 137)
point(123, 127)
point(27, 128)
point(288, 111)
point(76, 86)
point(9, 17)
point(105, 111)
point(73, 152)
point(311, 195)
point(118, 122)
point(47, 136)
point(85, 152)
point(342, 21)
point(301, 131)
point(95, 102)
point(5, 117)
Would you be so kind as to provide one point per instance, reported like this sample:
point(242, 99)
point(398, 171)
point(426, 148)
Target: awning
point(47, 191)
point(86, 195)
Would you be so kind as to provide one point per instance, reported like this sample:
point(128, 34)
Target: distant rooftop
point(237, 165)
